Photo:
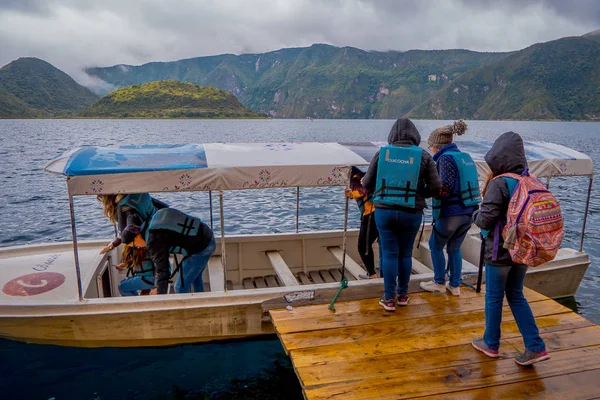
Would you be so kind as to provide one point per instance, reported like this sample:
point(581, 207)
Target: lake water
point(34, 210)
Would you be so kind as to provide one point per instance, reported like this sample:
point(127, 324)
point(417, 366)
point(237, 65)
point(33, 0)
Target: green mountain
point(594, 35)
point(169, 99)
point(319, 81)
point(553, 80)
point(40, 89)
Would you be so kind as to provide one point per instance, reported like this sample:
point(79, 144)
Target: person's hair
point(133, 256)
point(108, 202)
point(488, 180)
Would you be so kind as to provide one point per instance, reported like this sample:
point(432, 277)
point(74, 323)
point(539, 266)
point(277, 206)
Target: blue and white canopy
point(235, 166)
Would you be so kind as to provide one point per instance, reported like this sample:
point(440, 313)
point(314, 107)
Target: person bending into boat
point(140, 271)
point(367, 233)
point(171, 231)
point(117, 207)
point(502, 275)
point(401, 175)
point(452, 209)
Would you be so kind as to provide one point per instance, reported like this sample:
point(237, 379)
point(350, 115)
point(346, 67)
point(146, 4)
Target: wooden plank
point(260, 282)
point(316, 277)
point(215, 274)
point(351, 265)
point(248, 283)
point(396, 384)
point(281, 269)
point(372, 348)
point(387, 330)
point(271, 281)
point(375, 314)
point(344, 307)
point(576, 386)
point(327, 276)
point(305, 280)
point(419, 268)
point(320, 373)
point(336, 274)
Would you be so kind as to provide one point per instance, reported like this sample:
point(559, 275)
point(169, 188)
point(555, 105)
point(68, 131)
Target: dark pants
point(366, 237)
point(397, 232)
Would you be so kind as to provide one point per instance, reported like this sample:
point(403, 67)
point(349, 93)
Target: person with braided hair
point(452, 208)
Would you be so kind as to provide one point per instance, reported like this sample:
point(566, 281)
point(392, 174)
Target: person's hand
point(120, 267)
point(154, 291)
point(348, 193)
point(107, 248)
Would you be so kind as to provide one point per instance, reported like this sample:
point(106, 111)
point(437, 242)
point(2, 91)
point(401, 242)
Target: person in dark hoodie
point(401, 180)
point(502, 275)
point(452, 209)
point(171, 231)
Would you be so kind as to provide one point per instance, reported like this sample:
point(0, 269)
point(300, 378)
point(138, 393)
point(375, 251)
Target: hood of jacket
point(404, 132)
point(507, 154)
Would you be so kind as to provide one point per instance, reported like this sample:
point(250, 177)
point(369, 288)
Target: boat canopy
point(235, 166)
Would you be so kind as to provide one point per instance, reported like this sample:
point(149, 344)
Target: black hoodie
point(506, 155)
point(405, 134)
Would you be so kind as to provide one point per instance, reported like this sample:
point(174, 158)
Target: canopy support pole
point(297, 208)
point(547, 182)
point(585, 214)
point(344, 281)
point(211, 208)
point(223, 255)
point(75, 250)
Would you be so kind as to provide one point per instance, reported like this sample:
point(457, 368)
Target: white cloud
point(73, 34)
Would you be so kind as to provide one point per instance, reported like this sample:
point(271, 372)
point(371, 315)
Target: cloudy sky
point(73, 34)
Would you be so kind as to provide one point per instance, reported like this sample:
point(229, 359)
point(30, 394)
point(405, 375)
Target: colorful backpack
point(534, 223)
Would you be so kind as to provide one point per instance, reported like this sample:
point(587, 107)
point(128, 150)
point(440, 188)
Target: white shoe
point(432, 286)
point(454, 290)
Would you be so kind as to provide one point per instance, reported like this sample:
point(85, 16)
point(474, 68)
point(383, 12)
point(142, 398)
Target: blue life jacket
point(176, 221)
point(141, 202)
point(398, 175)
point(512, 185)
point(146, 269)
point(468, 193)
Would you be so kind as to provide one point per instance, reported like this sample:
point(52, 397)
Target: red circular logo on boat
point(33, 284)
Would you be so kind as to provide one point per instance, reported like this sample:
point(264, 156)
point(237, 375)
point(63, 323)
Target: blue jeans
point(397, 232)
point(450, 231)
point(193, 267)
point(509, 280)
point(130, 286)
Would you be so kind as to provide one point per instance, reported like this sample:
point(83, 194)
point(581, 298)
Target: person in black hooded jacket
point(398, 225)
point(502, 275)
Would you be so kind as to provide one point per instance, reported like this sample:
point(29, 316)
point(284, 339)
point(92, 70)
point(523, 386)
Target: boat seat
point(284, 274)
point(215, 274)
point(419, 268)
point(351, 265)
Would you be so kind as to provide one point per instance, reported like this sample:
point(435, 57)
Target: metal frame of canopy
point(233, 171)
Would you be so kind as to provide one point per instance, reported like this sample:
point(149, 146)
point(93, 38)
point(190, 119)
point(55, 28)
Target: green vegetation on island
point(169, 99)
point(33, 88)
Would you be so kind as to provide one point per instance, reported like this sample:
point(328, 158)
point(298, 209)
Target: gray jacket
point(405, 134)
point(506, 155)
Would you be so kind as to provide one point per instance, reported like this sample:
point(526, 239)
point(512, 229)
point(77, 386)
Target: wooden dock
point(424, 351)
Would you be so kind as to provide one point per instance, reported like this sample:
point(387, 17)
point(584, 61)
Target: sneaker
point(432, 286)
point(454, 290)
point(403, 299)
point(479, 344)
point(529, 357)
point(365, 276)
point(387, 304)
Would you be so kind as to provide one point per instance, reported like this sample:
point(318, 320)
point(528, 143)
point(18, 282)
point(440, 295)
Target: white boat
point(66, 293)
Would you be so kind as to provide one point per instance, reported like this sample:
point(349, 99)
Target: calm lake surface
point(34, 209)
